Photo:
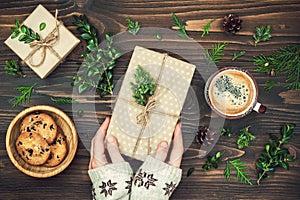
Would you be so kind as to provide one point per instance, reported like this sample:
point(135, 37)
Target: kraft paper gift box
point(44, 57)
point(173, 78)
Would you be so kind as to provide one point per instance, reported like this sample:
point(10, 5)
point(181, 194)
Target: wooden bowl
point(61, 120)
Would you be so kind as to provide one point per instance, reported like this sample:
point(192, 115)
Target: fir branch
point(270, 85)
point(241, 173)
point(237, 55)
point(275, 154)
point(133, 27)
point(284, 60)
point(181, 27)
point(216, 52)
point(262, 34)
point(25, 95)
point(227, 171)
point(13, 69)
point(144, 86)
point(63, 100)
point(212, 161)
point(24, 33)
point(206, 28)
point(244, 138)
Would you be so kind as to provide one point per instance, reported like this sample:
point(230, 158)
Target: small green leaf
point(190, 171)
point(23, 29)
point(17, 23)
point(15, 34)
point(158, 37)
point(86, 36)
point(42, 26)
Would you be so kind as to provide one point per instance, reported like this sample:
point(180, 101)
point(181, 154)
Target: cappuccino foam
point(232, 92)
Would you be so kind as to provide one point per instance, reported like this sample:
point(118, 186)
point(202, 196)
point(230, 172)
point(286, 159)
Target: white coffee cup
point(232, 93)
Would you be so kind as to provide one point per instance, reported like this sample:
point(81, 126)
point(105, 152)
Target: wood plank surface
point(110, 17)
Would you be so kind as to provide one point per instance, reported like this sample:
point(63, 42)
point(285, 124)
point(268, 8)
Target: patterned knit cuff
point(109, 171)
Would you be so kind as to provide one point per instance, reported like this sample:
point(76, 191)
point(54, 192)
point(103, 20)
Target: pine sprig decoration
point(262, 34)
point(212, 161)
point(88, 32)
point(245, 138)
point(144, 86)
point(12, 68)
point(206, 28)
point(24, 33)
point(216, 52)
point(133, 27)
point(25, 95)
point(241, 173)
point(181, 27)
point(275, 155)
point(284, 60)
point(237, 55)
point(63, 100)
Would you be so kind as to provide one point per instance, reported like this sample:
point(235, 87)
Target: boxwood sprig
point(24, 33)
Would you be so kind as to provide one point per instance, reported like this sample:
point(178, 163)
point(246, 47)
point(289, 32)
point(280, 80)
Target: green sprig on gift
point(26, 34)
point(144, 86)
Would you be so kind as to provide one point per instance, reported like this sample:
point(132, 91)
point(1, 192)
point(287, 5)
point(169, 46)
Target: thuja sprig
point(133, 27)
point(212, 161)
point(88, 32)
point(284, 60)
point(216, 52)
point(181, 27)
point(144, 86)
point(206, 28)
point(63, 100)
point(12, 68)
point(237, 55)
point(25, 95)
point(97, 68)
point(245, 138)
point(274, 154)
point(24, 33)
point(262, 34)
point(240, 169)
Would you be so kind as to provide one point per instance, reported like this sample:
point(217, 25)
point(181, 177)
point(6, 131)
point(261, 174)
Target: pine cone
point(232, 23)
point(201, 134)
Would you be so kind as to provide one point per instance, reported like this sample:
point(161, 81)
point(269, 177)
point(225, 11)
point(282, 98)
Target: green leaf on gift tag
point(25, 95)
point(42, 26)
point(144, 86)
point(133, 27)
point(13, 69)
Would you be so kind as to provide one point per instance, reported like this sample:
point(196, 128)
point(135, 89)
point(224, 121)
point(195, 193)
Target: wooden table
point(110, 16)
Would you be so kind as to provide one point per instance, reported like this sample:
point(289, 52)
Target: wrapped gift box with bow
point(54, 42)
point(139, 129)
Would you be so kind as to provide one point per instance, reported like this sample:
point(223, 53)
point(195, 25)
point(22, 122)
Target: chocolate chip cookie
point(32, 148)
point(42, 124)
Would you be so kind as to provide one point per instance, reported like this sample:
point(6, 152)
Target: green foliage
point(206, 28)
point(216, 53)
point(212, 161)
point(88, 32)
point(96, 70)
point(133, 27)
point(42, 26)
point(287, 60)
point(24, 96)
point(181, 27)
point(158, 37)
point(262, 34)
point(12, 68)
point(244, 138)
point(226, 132)
point(270, 85)
point(63, 100)
point(237, 55)
point(227, 172)
point(190, 171)
point(241, 173)
point(274, 154)
point(24, 33)
point(144, 86)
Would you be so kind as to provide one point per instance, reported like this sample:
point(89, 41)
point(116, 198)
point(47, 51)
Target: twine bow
point(143, 117)
point(44, 44)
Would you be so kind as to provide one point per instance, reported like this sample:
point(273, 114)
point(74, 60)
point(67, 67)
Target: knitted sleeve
point(155, 180)
point(112, 181)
